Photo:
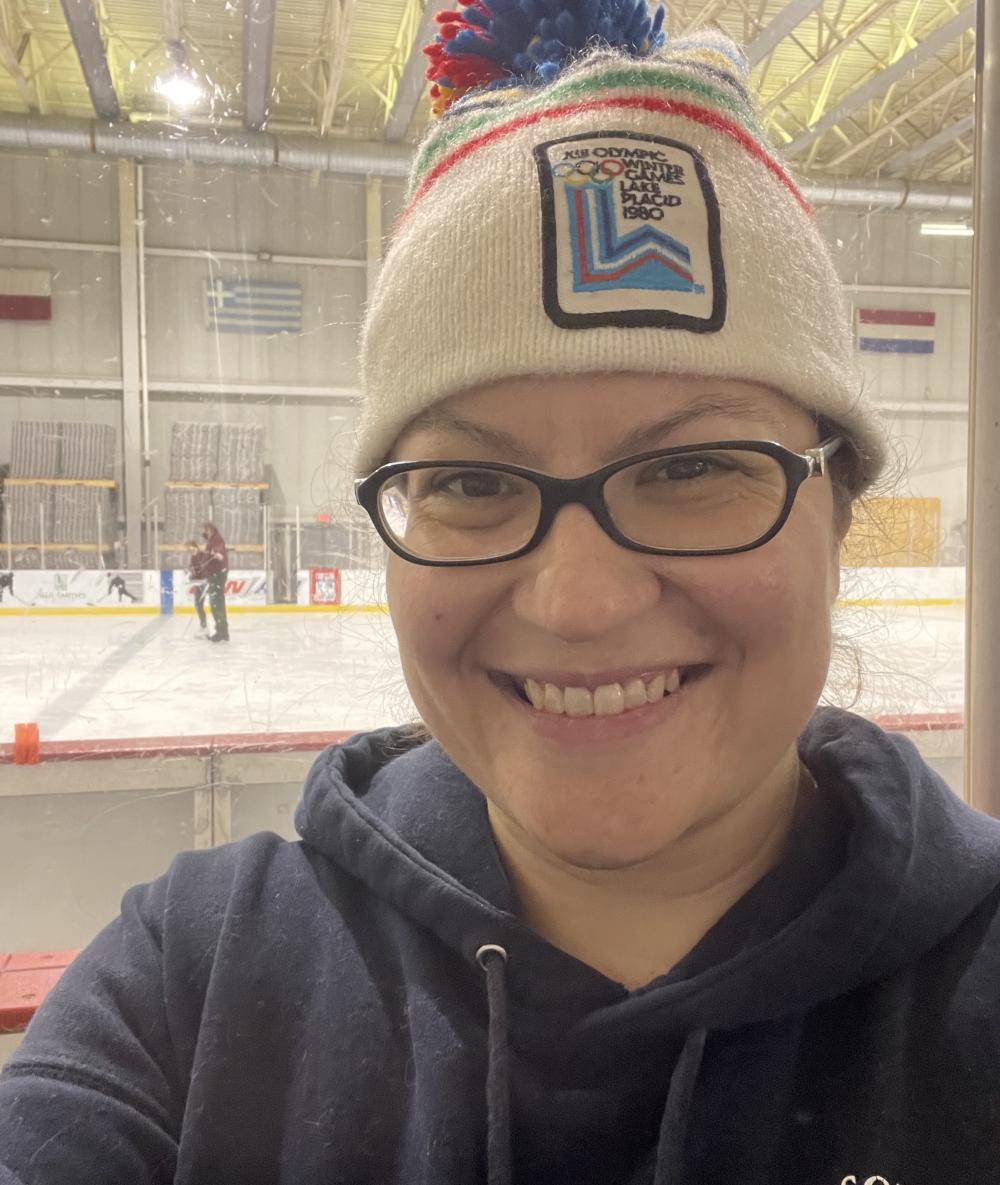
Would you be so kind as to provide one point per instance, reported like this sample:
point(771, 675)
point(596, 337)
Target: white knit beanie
point(595, 202)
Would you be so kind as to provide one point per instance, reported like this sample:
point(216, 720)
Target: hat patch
point(630, 234)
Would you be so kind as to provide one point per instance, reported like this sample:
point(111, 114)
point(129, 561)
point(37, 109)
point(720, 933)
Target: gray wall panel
point(58, 198)
point(182, 348)
point(246, 210)
point(83, 337)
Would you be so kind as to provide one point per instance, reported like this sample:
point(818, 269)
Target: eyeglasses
point(702, 499)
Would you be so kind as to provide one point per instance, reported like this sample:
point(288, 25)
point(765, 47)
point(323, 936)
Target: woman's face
point(582, 611)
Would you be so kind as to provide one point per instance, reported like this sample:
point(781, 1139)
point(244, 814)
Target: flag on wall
point(25, 294)
point(253, 306)
point(896, 331)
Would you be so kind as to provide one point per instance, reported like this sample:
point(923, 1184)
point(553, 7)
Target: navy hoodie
point(315, 1013)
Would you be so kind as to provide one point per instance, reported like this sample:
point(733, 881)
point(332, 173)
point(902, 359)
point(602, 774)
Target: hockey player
point(216, 570)
point(198, 562)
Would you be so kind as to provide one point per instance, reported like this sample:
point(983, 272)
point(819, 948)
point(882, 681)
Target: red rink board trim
point(291, 742)
point(182, 746)
point(896, 317)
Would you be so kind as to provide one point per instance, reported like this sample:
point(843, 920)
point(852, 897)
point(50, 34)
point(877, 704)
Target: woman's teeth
point(610, 699)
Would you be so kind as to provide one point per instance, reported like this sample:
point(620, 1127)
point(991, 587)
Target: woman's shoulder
point(263, 872)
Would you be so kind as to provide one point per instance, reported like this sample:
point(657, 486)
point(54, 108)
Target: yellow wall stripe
point(188, 610)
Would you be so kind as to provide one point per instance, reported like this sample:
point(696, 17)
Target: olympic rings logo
point(577, 172)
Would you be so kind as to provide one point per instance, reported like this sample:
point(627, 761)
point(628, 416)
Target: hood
point(399, 816)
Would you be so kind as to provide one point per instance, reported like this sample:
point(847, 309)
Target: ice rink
point(84, 678)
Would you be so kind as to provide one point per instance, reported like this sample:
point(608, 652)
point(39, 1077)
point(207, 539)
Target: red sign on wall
point(324, 586)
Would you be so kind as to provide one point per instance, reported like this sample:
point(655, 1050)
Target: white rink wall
point(357, 587)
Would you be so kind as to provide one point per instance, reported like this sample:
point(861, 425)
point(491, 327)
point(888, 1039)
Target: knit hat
point(591, 199)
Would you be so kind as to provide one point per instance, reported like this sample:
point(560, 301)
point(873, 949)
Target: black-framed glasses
point(716, 498)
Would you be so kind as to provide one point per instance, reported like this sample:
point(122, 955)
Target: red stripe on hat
point(894, 317)
point(710, 119)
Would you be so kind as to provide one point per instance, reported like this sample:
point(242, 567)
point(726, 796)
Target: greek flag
point(253, 306)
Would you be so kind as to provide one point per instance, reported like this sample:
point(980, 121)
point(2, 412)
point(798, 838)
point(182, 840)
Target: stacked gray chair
point(35, 448)
point(88, 451)
point(194, 451)
point(241, 452)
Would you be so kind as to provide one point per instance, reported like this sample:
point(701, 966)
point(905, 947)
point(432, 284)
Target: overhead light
point(958, 229)
point(180, 89)
point(180, 85)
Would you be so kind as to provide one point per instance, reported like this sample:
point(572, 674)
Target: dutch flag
point(895, 331)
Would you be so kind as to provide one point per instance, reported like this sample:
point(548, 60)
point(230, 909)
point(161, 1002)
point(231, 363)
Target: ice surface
point(84, 678)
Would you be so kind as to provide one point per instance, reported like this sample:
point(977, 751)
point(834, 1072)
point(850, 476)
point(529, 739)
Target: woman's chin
point(584, 834)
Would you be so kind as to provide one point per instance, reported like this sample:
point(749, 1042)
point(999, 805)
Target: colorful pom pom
point(528, 42)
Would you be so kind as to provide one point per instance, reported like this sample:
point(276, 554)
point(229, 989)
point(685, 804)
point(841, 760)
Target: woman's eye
point(472, 485)
point(685, 468)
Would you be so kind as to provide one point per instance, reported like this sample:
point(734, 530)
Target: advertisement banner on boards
point(79, 589)
point(242, 588)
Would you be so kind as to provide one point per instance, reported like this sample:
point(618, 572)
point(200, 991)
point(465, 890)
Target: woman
point(630, 910)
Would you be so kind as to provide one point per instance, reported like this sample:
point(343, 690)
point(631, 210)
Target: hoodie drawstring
point(673, 1127)
point(492, 959)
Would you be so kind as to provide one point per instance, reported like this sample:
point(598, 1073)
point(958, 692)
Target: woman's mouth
point(599, 699)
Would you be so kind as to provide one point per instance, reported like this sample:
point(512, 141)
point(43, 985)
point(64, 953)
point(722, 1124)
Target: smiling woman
point(627, 909)
point(587, 608)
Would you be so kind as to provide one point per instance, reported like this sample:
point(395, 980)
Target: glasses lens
point(699, 500)
point(459, 513)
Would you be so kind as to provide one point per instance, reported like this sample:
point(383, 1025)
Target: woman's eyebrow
point(648, 436)
point(491, 438)
point(641, 439)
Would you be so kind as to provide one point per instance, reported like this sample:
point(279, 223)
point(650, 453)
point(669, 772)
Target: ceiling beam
point(788, 18)
point(932, 144)
point(413, 79)
point(849, 36)
point(258, 46)
point(340, 13)
point(705, 15)
point(86, 34)
point(883, 129)
point(962, 163)
point(11, 63)
point(879, 83)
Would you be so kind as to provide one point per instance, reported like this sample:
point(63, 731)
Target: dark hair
point(846, 474)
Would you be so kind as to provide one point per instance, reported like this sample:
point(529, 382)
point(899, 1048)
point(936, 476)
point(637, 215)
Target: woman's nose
point(578, 584)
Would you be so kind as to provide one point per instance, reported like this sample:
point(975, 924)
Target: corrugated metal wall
point(279, 214)
point(52, 198)
point(220, 210)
